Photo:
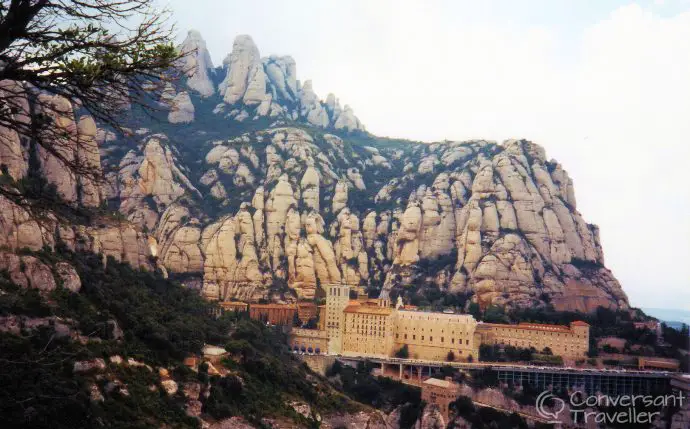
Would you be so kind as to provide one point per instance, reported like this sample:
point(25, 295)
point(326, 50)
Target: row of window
point(431, 339)
point(371, 333)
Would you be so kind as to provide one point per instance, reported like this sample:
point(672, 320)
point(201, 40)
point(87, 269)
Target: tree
point(312, 323)
point(547, 351)
point(101, 55)
point(296, 322)
point(450, 357)
point(475, 310)
point(403, 353)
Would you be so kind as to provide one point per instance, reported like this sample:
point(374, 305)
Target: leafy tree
point(296, 322)
point(403, 353)
point(475, 310)
point(105, 54)
point(495, 314)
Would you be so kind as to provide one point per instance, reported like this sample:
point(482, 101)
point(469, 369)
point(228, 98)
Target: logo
point(604, 409)
point(549, 413)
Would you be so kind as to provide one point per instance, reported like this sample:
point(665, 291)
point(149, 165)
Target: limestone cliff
point(249, 186)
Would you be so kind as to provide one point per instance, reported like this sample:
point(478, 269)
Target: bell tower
point(337, 298)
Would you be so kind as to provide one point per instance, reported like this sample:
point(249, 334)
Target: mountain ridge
point(245, 185)
point(439, 201)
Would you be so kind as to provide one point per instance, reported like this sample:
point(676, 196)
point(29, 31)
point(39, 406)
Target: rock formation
point(256, 87)
point(255, 200)
point(181, 109)
point(196, 64)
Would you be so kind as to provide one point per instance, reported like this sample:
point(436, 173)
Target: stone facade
point(275, 314)
point(440, 393)
point(306, 311)
point(337, 299)
point(369, 327)
point(566, 341)
point(308, 340)
point(433, 336)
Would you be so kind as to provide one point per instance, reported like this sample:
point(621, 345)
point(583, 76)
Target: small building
point(308, 340)
point(650, 324)
point(442, 393)
point(191, 362)
point(214, 354)
point(658, 363)
point(275, 314)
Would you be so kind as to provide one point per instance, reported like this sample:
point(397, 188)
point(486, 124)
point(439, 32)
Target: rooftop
point(272, 306)
point(210, 350)
point(446, 384)
point(527, 326)
point(367, 308)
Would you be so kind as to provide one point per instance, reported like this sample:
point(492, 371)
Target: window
point(422, 337)
point(431, 338)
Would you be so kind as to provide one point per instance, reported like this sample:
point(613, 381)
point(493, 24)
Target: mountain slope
point(110, 354)
point(248, 186)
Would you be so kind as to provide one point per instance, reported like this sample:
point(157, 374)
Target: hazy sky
point(604, 86)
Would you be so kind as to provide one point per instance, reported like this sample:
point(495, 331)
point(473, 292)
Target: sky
point(603, 86)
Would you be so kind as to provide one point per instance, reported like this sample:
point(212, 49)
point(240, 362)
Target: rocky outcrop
point(431, 418)
point(511, 216)
point(69, 142)
point(21, 230)
point(178, 241)
point(123, 242)
point(181, 109)
point(497, 222)
point(407, 237)
point(256, 87)
point(324, 256)
point(28, 272)
point(363, 419)
point(239, 63)
point(88, 155)
point(196, 64)
point(13, 151)
point(231, 266)
point(285, 203)
point(54, 162)
point(148, 180)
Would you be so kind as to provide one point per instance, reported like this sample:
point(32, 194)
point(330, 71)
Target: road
point(506, 366)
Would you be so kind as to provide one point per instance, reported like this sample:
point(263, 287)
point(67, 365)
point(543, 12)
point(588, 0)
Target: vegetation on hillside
point(380, 392)
point(161, 323)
